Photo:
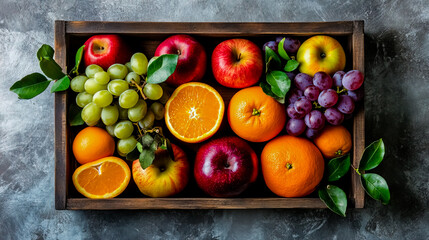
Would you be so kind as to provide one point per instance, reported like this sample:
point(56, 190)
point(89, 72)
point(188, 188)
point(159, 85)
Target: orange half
point(105, 178)
point(194, 112)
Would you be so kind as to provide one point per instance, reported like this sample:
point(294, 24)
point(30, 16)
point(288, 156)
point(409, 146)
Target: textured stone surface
point(397, 87)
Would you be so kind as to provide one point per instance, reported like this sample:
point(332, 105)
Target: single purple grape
point(353, 79)
point(294, 95)
point(295, 127)
point(345, 104)
point(291, 75)
point(333, 116)
point(315, 119)
point(328, 98)
point(312, 93)
point(302, 81)
point(322, 81)
point(356, 95)
point(271, 44)
point(279, 39)
point(291, 45)
point(312, 133)
point(338, 78)
point(302, 105)
point(292, 113)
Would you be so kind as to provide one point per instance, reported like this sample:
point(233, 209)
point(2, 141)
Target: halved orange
point(194, 112)
point(105, 178)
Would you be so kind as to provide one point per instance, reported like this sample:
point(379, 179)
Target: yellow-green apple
point(165, 177)
point(106, 50)
point(237, 63)
point(192, 62)
point(321, 54)
point(225, 167)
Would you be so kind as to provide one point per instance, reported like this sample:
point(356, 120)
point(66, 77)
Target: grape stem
point(356, 170)
point(344, 90)
point(140, 88)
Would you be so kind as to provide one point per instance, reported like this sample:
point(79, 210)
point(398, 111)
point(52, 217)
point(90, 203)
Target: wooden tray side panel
point(61, 129)
point(358, 194)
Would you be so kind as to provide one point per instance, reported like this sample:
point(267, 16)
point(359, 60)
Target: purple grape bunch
point(317, 101)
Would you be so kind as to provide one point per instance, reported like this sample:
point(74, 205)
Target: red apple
point(192, 62)
point(225, 167)
point(237, 63)
point(105, 50)
point(164, 177)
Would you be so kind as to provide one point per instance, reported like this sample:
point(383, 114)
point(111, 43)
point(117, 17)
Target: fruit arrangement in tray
point(292, 96)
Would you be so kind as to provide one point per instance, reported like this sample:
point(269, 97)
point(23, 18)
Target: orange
point(194, 112)
point(334, 141)
point(105, 178)
point(255, 116)
point(92, 143)
point(292, 166)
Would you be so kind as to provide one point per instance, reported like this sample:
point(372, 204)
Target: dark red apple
point(105, 50)
point(225, 167)
point(237, 63)
point(192, 62)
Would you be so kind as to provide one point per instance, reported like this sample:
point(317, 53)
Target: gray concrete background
point(397, 89)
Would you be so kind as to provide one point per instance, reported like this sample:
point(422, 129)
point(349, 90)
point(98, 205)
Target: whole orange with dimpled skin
point(334, 141)
point(292, 166)
point(255, 116)
point(92, 143)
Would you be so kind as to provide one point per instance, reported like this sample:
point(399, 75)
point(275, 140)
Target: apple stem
point(256, 112)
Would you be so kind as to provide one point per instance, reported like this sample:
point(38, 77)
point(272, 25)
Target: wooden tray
point(145, 36)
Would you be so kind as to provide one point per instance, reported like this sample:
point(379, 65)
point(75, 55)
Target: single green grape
point(91, 86)
point(117, 86)
point(132, 76)
point(139, 63)
point(158, 109)
point(152, 91)
point(137, 112)
point(123, 113)
point(126, 145)
point(77, 83)
point(91, 113)
point(83, 98)
point(102, 98)
point(111, 130)
point(102, 78)
point(124, 129)
point(148, 120)
point(109, 115)
point(92, 69)
point(164, 98)
point(128, 65)
point(117, 71)
point(128, 98)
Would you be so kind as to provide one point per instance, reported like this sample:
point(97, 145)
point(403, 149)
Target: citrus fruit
point(255, 116)
point(105, 178)
point(194, 112)
point(292, 166)
point(334, 141)
point(92, 143)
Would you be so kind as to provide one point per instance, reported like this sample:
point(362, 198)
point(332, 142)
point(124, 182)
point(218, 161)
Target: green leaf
point(267, 89)
point(74, 115)
point(30, 86)
point(146, 158)
point(282, 51)
point(162, 68)
point(338, 167)
point(154, 146)
point(271, 56)
point(291, 65)
point(139, 147)
point(372, 156)
point(376, 187)
point(146, 140)
point(334, 198)
point(51, 68)
point(61, 84)
point(45, 51)
point(280, 83)
point(133, 155)
point(78, 59)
